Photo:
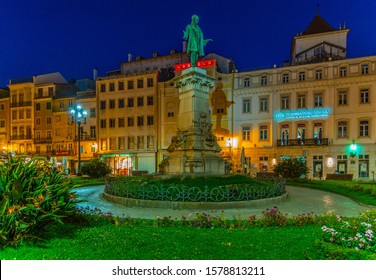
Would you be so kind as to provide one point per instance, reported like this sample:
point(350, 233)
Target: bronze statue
point(196, 42)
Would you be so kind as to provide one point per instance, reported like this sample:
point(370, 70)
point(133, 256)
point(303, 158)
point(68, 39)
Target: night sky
point(74, 36)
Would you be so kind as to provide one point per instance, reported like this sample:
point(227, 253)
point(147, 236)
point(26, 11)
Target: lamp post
point(79, 115)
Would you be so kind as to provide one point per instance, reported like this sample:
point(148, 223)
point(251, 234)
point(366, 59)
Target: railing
point(85, 137)
point(20, 104)
point(303, 142)
point(42, 140)
point(39, 96)
point(62, 153)
point(21, 137)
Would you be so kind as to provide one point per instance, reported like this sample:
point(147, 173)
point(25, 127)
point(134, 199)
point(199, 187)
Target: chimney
point(129, 57)
point(95, 73)
point(155, 54)
point(184, 46)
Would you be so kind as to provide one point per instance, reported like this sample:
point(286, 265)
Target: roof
point(318, 25)
point(56, 78)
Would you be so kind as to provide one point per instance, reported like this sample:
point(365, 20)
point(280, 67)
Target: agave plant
point(33, 195)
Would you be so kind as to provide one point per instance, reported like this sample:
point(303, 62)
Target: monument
point(194, 148)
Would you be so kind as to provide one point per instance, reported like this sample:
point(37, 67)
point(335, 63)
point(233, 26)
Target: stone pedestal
point(194, 148)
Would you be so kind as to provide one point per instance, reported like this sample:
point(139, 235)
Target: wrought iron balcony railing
point(303, 142)
point(42, 140)
point(20, 104)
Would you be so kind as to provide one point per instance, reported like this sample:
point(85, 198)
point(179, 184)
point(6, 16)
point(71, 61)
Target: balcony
point(20, 137)
point(42, 140)
point(85, 137)
point(303, 142)
point(62, 153)
point(20, 104)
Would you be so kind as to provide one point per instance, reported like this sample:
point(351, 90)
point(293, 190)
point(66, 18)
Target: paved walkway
point(299, 201)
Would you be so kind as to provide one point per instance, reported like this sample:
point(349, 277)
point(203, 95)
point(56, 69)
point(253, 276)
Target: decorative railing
point(20, 104)
point(303, 142)
point(234, 192)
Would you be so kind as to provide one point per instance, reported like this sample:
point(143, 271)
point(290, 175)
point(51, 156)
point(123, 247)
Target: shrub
point(291, 168)
point(96, 168)
point(33, 195)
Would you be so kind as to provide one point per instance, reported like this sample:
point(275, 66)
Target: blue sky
point(74, 36)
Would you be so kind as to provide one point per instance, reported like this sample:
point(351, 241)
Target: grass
point(86, 181)
point(108, 242)
point(363, 192)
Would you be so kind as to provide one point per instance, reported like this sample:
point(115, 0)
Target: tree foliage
point(96, 168)
point(291, 168)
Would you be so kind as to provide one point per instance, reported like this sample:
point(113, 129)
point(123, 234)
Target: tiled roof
point(318, 25)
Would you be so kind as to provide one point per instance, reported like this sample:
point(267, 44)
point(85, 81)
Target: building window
point(130, 102)
point(263, 132)
point(318, 74)
point(92, 113)
point(121, 122)
point(121, 85)
point(170, 114)
point(318, 100)
point(364, 96)
point(363, 128)
point(130, 84)
point(49, 134)
point(342, 98)
point(93, 133)
point(121, 143)
point(21, 114)
point(130, 121)
point(343, 71)
point(49, 106)
point(131, 142)
point(61, 104)
point(2, 123)
point(342, 129)
point(140, 121)
point(140, 142)
point(37, 121)
point(263, 104)
point(150, 120)
point(150, 82)
point(28, 114)
point(246, 133)
point(103, 123)
point(103, 105)
point(2, 107)
point(112, 104)
point(301, 76)
point(285, 102)
point(140, 83)
point(301, 101)
point(103, 88)
point(264, 80)
point(112, 123)
point(14, 115)
point(150, 141)
point(247, 82)
point(246, 105)
point(140, 101)
point(103, 143)
point(112, 143)
point(285, 78)
point(48, 120)
point(37, 106)
point(112, 87)
point(364, 69)
point(121, 103)
point(220, 110)
point(150, 100)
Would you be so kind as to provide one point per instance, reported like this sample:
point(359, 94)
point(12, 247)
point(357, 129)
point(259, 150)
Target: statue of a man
point(196, 42)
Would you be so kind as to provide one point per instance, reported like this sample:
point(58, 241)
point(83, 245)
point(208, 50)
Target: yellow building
point(4, 119)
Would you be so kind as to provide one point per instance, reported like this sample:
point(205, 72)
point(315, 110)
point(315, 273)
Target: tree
point(291, 168)
point(96, 168)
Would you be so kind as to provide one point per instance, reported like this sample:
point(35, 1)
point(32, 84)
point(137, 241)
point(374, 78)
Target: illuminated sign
point(318, 113)
point(199, 64)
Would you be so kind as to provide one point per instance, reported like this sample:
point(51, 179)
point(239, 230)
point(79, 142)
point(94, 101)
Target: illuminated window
point(364, 69)
point(343, 71)
point(285, 102)
point(301, 101)
point(364, 128)
point(246, 105)
point(364, 96)
point(103, 143)
point(342, 129)
point(246, 133)
point(342, 98)
point(318, 100)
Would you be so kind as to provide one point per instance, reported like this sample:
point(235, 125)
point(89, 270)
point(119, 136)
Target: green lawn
point(149, 243)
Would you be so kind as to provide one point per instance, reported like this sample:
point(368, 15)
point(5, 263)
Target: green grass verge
point(107, 242)
point(359, 191)
point(86, 181)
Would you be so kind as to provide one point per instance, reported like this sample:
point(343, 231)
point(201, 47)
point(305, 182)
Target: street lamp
point(79, 115)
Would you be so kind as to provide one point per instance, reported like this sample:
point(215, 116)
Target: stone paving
point(299, 201)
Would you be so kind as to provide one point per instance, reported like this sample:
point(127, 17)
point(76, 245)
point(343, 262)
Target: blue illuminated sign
point(318, 113)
